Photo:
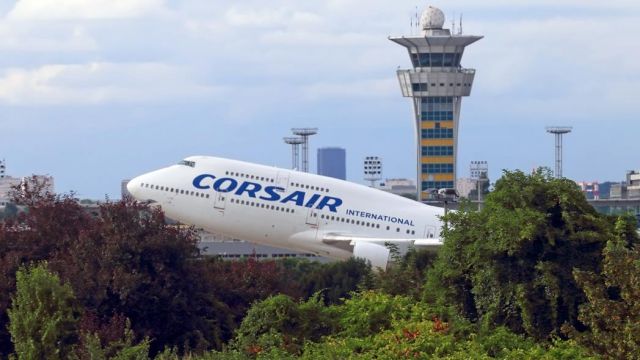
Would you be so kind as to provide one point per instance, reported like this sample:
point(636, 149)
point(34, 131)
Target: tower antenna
point(460, 29)
point(411, 24)
point(453, 23)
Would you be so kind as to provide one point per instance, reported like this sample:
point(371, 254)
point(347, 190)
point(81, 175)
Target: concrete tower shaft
point(436, 83)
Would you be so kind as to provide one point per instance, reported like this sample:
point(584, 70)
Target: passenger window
point(398, 230)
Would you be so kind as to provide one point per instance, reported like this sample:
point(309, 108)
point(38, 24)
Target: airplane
point(290, 209)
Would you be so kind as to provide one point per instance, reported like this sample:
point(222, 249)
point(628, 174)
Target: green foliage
point(511, 263)
point(369, 312)
point(336, 280)
point(124, 348)
point(612, 312)
point(43, 315)
point(406, 276)
point(412, 332)
point(278, 322)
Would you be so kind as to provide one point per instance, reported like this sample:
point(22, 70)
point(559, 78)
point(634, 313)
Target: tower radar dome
point(432, 18)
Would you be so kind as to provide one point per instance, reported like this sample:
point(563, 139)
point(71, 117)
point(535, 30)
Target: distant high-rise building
point(332, 162)
point(436, 83)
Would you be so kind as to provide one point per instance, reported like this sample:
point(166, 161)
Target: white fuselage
point(283, 208)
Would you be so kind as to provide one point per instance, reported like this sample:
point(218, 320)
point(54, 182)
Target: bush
point(43, 315)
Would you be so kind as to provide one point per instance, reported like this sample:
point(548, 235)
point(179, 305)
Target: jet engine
point(377, 254)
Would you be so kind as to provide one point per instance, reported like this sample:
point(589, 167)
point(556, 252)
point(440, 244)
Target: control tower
point(436, 83)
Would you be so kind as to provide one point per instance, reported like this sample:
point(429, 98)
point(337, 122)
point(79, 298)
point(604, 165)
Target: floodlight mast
point(558, 131)
point(304, 133)
point(295, 151)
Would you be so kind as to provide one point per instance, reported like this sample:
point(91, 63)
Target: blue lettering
point(197, 181)
point(312, 201)
point(218, 185)
point(273, 195)
point(297, 196)
point(245, 187)
point(331, 202)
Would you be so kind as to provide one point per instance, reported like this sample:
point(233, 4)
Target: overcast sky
point(95, 91)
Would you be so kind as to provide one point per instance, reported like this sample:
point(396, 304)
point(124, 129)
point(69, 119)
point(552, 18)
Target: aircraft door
point(220, 200)
point(282, 179)
point(312, 217)
point(430, 232)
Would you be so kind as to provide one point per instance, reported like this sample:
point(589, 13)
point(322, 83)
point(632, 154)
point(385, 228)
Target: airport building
point(402, 187)
point(436, 83)
point(332, 162)
point(8, 183)
point(630, 189)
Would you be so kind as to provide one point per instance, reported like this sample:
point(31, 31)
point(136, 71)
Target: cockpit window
point(187, 163)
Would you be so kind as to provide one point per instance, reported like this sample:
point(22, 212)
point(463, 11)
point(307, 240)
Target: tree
point(43, 315)
point(129, 262)
point(612, 312)
point(47, 229)
point(511, 263)
point(406, 276)
point(279, 322)
point(336, 280)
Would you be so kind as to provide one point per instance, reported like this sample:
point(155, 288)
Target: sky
point(96, 91)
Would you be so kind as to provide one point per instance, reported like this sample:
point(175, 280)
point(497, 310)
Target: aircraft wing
point(376, 249)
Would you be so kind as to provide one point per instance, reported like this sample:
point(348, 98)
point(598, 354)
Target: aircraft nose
point(133, 187)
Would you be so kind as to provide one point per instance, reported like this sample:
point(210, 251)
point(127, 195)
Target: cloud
point(270, 17)
point(30, 38)
point(100, 83)
point(370, 88)
point(83, 9)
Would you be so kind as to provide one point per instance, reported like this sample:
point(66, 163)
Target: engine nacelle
point(377, 254)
